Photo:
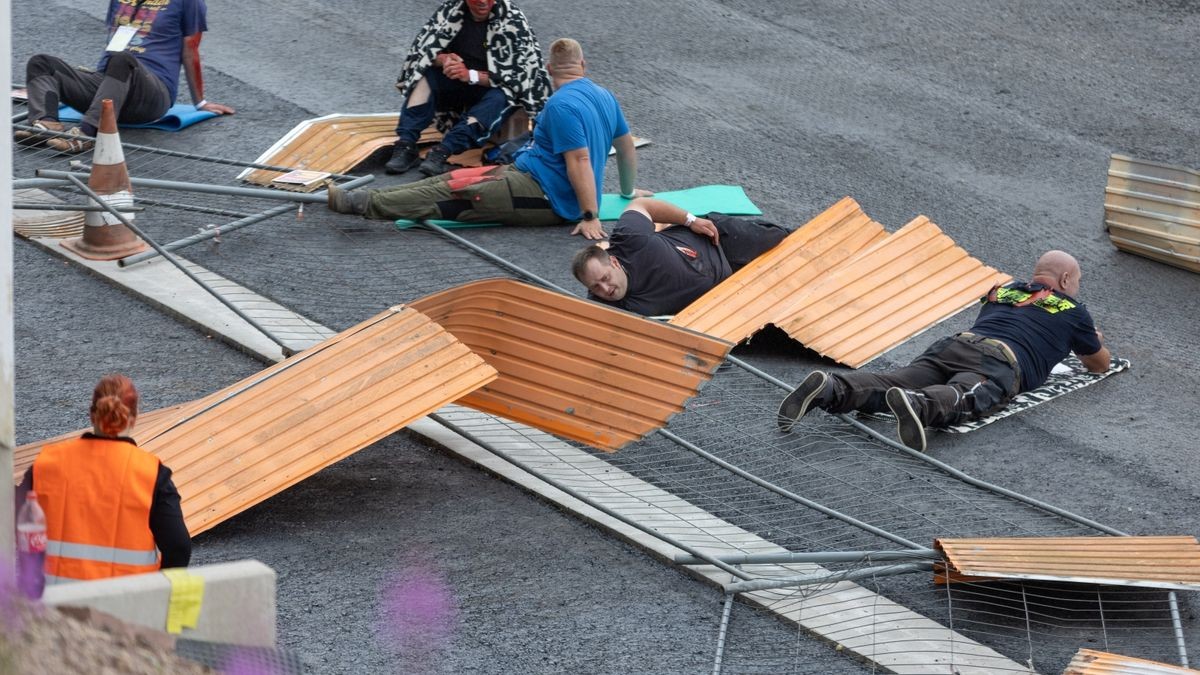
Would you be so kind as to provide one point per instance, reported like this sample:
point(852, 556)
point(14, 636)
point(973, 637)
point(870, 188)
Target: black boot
point(909, 409)
point(404, 157)
point(435, 161)
point(347, 201)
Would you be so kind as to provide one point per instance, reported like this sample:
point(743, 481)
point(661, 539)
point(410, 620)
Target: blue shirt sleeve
point(1085, 342)
point(194, 18)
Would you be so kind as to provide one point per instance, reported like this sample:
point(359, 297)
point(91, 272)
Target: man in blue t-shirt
point(1022, 331)
point(556, 180)
point(148, 41)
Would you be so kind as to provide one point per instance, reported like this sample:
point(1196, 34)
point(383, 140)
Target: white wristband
point(474, 75)
point(203, 102)
point(631, 195)
point(687, 222)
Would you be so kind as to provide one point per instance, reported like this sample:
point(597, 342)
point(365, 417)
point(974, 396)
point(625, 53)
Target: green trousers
point(488, 194)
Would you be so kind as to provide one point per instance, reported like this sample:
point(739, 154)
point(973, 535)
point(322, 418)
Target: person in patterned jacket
point(1023, 330)
point(472, 65)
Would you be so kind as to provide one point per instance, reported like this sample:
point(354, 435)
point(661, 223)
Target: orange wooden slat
point(574, 368)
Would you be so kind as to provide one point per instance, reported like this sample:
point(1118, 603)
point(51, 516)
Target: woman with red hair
point(111, 508)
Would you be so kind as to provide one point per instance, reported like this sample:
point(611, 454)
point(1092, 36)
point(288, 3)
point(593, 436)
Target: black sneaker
point(435, 161)
point(347, 201)
point(811, 393)
point(909, 426)
point(404, 157)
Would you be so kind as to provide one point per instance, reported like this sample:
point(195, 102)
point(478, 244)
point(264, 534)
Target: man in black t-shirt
point(1022, 331)
point(658, 273)
point(472, 65)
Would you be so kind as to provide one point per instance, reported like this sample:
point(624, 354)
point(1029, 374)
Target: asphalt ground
point(994, 121)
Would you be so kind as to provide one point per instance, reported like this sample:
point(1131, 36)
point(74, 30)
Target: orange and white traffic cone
point(105, 237)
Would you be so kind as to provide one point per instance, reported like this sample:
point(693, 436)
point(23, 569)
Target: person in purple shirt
point(1023, 330)
point(148, 41)
point(556, 180)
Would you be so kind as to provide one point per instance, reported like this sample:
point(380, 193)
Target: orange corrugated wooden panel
point(893, 290)
point(764, 291)
point(1161, 562)
point(1092, 662)
point(574, 368)
point(245, 443)
point(334, 143)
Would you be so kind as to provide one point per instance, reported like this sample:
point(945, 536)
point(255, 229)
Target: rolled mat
point(179, 116)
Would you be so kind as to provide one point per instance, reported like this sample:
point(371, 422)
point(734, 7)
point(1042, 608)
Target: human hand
point(446, 57)
point(457, 71)
point(591, 229)
point(706, 227)
point(215, 108)
point(638, 192)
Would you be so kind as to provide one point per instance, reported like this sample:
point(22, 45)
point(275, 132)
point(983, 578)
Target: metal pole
point(175, 261)
point(588, 500)
point(30, 183)
point(482, 252)
point(829, 578)
point(207, 188)
point(788, 494)
point(7, 369)
point(722, 632)
point(787, 557)
point(33, 206)
point(230, 227)
point(1177, 624)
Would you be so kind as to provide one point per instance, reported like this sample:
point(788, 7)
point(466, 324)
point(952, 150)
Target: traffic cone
point(105, 237)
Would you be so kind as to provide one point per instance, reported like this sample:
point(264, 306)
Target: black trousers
point(744, 239)
point(137, 94)
point(961, 378)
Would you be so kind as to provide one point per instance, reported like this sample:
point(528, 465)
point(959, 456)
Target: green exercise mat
point(728, 199)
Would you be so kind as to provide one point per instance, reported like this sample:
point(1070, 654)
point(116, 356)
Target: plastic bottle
point(31, 548)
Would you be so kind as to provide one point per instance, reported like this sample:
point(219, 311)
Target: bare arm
point(1098, 362)
point(659, 211)
point(195, 77)
point(583, 182)
point(627, 166)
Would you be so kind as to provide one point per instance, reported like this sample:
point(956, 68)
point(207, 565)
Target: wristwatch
point(588, 215)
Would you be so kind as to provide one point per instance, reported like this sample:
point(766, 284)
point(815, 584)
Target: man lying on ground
point(139, 71)
point(472, 65)
point(1022, 331)
point(557, 180)
point(657, 273)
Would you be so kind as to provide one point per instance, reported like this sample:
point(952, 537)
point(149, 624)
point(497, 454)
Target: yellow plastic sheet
point(187, 596)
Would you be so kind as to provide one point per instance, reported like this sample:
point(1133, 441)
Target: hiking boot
point(906, 406)
point(435, 161)
point(35, 136)
point(347, 201)
point(73, 143)
point(404, 157)
point(813, 392)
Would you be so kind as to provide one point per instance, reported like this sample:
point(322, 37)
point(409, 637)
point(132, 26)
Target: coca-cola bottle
point(31, 548)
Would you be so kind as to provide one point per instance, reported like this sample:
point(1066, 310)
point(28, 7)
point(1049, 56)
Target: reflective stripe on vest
point(97, 494)
point(121, 556)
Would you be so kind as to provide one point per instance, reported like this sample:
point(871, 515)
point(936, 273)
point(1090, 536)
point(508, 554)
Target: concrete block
point(238, 608)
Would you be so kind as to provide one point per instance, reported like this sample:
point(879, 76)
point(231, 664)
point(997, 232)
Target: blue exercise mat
point(179, 116)
point(727, 199)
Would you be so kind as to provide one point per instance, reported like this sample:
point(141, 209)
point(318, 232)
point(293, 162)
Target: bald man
point(1023, 330)
point(556, 180)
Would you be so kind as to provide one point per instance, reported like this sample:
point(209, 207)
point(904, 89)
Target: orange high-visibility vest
point(96, 493)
